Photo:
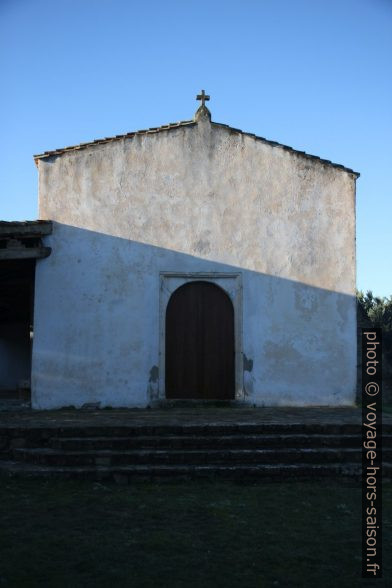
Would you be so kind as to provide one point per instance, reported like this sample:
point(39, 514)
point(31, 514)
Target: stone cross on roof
point(202, 112)
point(203, 97)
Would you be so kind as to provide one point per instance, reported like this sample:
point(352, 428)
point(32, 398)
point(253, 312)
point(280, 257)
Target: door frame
point(231, 283)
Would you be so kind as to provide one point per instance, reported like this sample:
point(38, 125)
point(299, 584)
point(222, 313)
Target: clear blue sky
point(313, 74)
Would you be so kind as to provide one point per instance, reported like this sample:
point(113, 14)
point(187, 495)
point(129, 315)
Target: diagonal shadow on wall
point(99, 317)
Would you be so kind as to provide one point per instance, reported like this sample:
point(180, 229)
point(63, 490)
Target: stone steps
point(214, 430)
point(14, 405)
point(209, 441)
point(129, 473)
point(22, 436)
point(195, 457)
point(163, 451)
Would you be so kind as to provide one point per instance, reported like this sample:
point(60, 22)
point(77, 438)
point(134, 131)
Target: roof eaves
point(288, 148)
point(150, 131)
point(184, 123)
point(20, 228)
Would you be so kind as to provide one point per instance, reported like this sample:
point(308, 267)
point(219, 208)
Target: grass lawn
point(188, 534)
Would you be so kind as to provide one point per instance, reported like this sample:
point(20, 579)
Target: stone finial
point(202, 111)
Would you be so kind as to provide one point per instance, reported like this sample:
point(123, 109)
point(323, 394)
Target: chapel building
point(193, 261)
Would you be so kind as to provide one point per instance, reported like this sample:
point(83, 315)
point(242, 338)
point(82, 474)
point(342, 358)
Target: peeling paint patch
point(248, 378)
point(152, 388)
point(154, 374)
point(202, 246)
point(282, 353)
point(306, 302)
point(248, 364)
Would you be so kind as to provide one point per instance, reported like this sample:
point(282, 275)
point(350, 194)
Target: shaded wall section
point(97, 328)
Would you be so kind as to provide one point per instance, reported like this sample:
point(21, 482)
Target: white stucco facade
point(138, 216)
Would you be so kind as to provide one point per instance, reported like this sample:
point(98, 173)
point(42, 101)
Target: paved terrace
point(183, 416)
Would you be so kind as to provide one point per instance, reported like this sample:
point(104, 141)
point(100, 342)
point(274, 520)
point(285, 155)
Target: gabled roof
point(189, 123)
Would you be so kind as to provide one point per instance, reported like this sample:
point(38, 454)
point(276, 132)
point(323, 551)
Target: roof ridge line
point(176, 125)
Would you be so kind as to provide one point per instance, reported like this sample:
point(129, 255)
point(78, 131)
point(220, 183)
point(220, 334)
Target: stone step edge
point(108, 452)
point(294, 436)
point(202, 428)
point(267, 440)
point(6, 466)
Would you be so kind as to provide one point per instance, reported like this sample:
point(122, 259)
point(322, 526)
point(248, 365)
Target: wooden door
point(200, 343)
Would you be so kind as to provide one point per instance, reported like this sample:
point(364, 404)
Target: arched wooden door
point(200, 343)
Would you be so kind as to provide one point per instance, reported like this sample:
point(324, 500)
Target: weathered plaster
point(190, 200)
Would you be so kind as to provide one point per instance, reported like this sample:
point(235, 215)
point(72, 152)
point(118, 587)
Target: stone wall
point(198, 199)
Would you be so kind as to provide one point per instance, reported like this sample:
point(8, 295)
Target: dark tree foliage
point(379, 312)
